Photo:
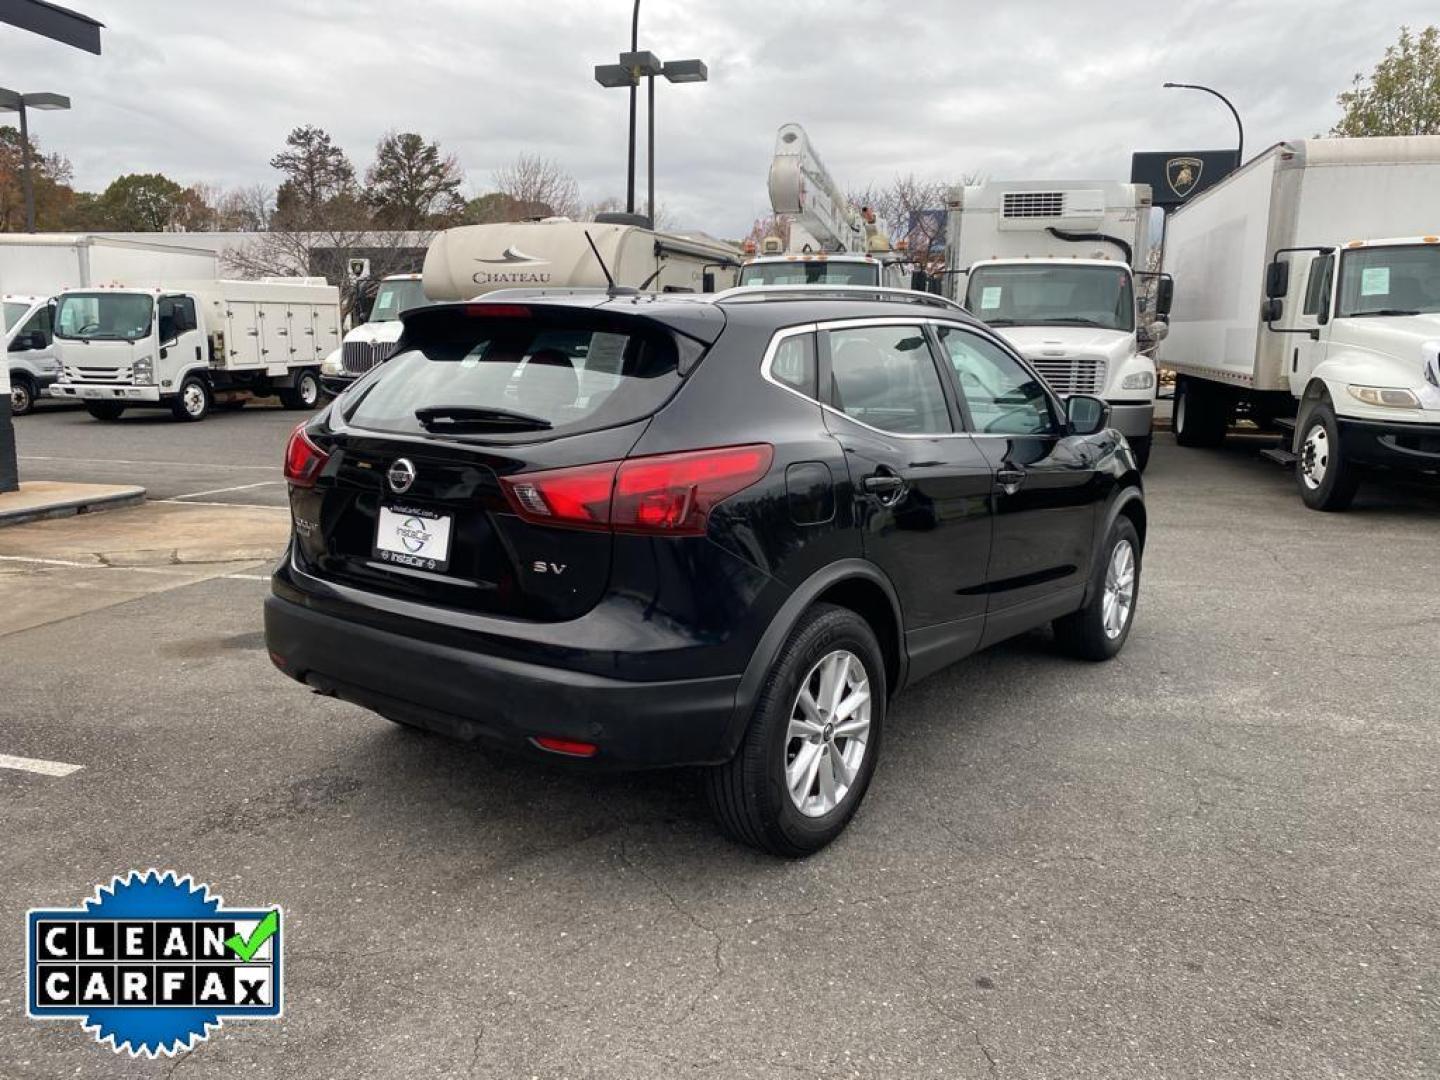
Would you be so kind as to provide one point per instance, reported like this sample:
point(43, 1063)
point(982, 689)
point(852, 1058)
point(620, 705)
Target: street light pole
point(1240, 127)
point(650, 154)
point(634, 87)
point(29, 178)
point(10, 101)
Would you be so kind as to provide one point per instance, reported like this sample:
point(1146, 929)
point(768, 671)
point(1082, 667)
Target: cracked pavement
point(1217, 856)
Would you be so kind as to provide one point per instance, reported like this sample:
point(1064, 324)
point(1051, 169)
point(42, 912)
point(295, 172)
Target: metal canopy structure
point(54, 22)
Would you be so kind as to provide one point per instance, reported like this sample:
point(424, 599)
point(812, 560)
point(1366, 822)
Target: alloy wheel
point(1119, 598)
point(828, 733)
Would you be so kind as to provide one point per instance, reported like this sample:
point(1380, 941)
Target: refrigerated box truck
point(1308, 300)
point(1052, 266)
point(185, 345)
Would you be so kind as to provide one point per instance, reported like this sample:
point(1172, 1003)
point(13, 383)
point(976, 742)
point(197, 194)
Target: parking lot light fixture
point(686, 71)
point(10, 101)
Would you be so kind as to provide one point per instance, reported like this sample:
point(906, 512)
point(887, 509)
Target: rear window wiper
point(471, 416)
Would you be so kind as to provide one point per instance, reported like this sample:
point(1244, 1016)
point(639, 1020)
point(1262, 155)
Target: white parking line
point(224, 490)
point(163, 571)
point(246, 577)
point(229, 506)
point(36, 765)
point(162, 464)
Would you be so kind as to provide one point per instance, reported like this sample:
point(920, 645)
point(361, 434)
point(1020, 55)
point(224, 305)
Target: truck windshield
point(14, 313)
point(104, 316)
point(1052, 295)
point(1401, 279)
point(395, 297)
point(810, 273)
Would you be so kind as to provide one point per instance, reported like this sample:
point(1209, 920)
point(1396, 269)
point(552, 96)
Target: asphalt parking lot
point(1217, 856)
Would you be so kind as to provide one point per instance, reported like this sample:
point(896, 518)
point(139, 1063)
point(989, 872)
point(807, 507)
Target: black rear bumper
point(1401, 446)
point(470, 695)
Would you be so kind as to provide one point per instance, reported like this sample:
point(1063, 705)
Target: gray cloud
point(206, 90)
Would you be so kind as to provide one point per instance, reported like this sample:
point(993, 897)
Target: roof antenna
point(612, 289)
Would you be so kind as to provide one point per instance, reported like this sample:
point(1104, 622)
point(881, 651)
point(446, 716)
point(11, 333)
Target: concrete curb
point(67, 500)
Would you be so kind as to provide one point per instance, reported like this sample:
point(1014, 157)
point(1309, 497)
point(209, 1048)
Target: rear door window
point(520, 377)
point(885, 377)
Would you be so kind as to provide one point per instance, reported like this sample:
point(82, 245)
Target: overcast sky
point(206, 90)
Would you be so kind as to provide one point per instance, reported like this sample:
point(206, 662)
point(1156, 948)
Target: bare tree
point(911, 209)
point(538, 187)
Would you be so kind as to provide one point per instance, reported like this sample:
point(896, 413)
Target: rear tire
point(305, 394)
point(22, 395)
point(1140, 448)
point(194, 401)
point(1326, 479)
point(1099, 630)
point(105, 410)
point(1202, 413)
point(831, 656)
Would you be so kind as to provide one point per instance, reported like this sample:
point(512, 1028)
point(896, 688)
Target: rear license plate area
point(413, 537)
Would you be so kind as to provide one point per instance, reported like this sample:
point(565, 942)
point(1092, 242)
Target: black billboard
point(1176, 176)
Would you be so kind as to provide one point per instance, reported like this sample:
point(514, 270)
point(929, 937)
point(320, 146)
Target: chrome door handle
point(1010, 479)
point(888, 487)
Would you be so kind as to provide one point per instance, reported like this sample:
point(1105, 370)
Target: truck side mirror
point(1164, 296)
point(707, 281)
point(1277, 280)
point(1272, 311)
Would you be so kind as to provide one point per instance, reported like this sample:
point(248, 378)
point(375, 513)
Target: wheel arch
point(1129, 502)
point(851, 583)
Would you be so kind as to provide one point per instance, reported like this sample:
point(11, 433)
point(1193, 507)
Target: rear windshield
point(512, 377)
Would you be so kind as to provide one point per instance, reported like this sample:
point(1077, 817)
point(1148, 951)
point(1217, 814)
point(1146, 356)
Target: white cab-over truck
point(1309, 285)
point(830, 242)
point(33, 268)
point(1051, 265)
point(186, 345)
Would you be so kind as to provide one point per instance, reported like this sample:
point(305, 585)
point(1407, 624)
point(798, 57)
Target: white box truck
point(186, 345)
point(1309, 301)
point(1052, 266)
point(34, 267)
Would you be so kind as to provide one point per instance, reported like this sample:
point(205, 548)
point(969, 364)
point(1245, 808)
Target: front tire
point(22, 395)
point(1326, 478)
point(305, 394)
point(194, 401)
point(1099, 630)
point(813, 740)
point(1201, 414)
point(105, 410)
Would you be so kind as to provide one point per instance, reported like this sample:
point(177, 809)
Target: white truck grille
point(1033, 204)
point(78, 374)
point(359, 357)
point(1073, 374)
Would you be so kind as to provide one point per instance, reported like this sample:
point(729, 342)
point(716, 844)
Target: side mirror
point(1159, 329)
point(1086, 415)
point(1272, 311)
point(1164, 296)
point(1277, 280)
point(707, 281)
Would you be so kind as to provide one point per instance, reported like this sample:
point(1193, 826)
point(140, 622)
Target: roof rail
point(757, 293)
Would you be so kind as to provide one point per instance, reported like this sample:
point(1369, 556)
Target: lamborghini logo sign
point(1182, 174)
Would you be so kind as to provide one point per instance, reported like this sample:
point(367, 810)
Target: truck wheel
point(105, 410)
point(22, 394)
point(813, 739)
point(305, 394)
point(193, 402)
point(1140, 448)
point(1201, 414)
point(1326, 480)
point(1099, 629)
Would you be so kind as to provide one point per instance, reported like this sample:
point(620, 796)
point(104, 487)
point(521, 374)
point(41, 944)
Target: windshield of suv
point(518, 375)
point(395, 297)
point(810, 273)
point(1052, 295)
point(14, 313)
point(1403, 279)
point(104, 316)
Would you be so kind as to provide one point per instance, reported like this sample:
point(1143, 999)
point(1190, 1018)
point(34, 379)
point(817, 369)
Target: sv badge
point(549, 568)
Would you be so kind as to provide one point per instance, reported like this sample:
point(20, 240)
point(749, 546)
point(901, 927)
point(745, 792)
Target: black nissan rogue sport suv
point(715, 531)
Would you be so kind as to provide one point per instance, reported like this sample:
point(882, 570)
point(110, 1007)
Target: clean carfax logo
point(152, 962)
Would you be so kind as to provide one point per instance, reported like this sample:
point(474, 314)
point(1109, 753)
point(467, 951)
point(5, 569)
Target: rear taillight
point(668, 494)
point(303, 459)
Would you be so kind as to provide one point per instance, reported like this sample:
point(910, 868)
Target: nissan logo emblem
point(401, 476)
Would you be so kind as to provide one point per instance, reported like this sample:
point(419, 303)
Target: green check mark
point(245, 949)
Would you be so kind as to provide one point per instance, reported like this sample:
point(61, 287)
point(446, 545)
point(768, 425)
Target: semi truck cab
point(29, 349)
point(1363, 318)
point(1084, 326)
point(372, 341)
